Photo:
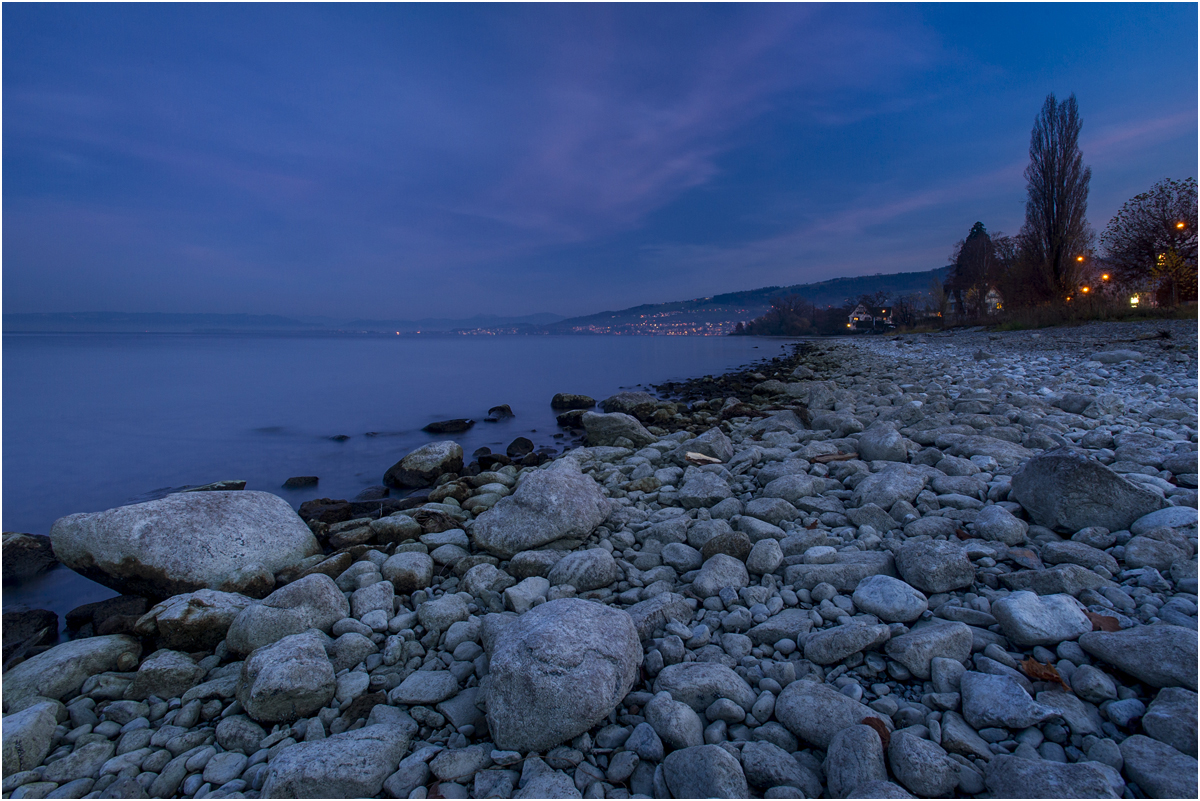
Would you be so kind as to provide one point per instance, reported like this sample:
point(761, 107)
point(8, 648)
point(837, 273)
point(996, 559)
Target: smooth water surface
point(93, 421)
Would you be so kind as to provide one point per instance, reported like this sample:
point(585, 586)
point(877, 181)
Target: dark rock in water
point(567, 401)
point(572, 419)
point(231, 485)
point(100, 611)
point(483, 451)
point(295, 482)
point(493, 460)
point(449, 426)
point(26, 555)
point(630, 403)
point(381, 507)
point(340, 437)
point(324, 510)
point(31, 628)
point(373, 493)
point(521, 446)
point(501, 411)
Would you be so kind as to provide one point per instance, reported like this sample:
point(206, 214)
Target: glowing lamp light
point(1079, 258)
point(1104, 277)
point(1085, 289)
point(1181, 224)
point(1133, 301)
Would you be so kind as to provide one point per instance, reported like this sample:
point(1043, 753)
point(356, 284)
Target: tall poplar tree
point(1056, 232)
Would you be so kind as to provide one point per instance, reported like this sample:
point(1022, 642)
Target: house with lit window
point(870, 318)
point(993, 301)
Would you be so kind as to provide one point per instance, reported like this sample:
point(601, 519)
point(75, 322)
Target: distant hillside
point(719, 313)
point(450, 324)
point(134, 322)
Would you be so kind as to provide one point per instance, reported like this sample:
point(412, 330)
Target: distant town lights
point(1181, 224)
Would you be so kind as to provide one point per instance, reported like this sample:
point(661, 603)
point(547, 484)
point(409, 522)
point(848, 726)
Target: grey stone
point(816, 712)
point(239, 733)
point(881, 441)
point(999, 524)
point(166, 674)
point(889, 599)
point(62, 670)
point(992, 700)
point(228, 541)
point(313, 602)
point(409, 571)
point(1078, 553)
point(352, 764)
point(854, 757)
point(442, 613)
point(420, 468)
point(379, 596)
point(586, 570)
point(655, 613)
point(1160, 770)
point(896, 482)
point(845, 574)
point(425, 687)
point(1016, 777)
point(194, 621)
point(28, 735)
point(704, 771)
point(767, 765)
point(1028, 619)
point(606, 429)
point(676, 723)
point(879, 789)
point(699, 684)
point(460, 764)
point(935, 566)
point(1069, 579)
point(560, 669)
point(789, 624)
point(765, 557)
point(1162, 656)
point(917, 649)
point(922, 766)
point(959, 738)
point(82, 763)
point(1171, 517)
point(1171, 719)
point(1065, 490)
point(539, 780)
point(1093, 685)
point(718, 572)
point(547, 505)
point(832, 645)
point(287, 680)
point(702, 490)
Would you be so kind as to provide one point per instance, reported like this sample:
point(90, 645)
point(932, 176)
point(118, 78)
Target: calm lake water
point(93, 421)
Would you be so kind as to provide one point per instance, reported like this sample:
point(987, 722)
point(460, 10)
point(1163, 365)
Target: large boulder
point(28, 735)
point(1028, 619)
point(935, 565)
point(63, 669)
point(287, 680)
point(547, 505)
point(353, 764)
point(422, 467)
point(700, 684)
point(816, 712)
point(228, 541)
point(313, 602)
point(559, 669)
point(1161, 656)
point(193, 621)
point(704, 771)
point(1016, 777)
point(606, 429)
point(1065, 490)
point(896, 482)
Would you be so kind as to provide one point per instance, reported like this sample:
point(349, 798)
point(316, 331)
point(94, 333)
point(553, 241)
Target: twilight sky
point(399, 161)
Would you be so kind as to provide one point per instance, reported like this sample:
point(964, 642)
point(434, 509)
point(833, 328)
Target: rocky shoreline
point(926, 565)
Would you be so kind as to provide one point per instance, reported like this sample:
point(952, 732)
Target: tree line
point(1146, 255)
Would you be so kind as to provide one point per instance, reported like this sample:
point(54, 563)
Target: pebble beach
point(928, 565)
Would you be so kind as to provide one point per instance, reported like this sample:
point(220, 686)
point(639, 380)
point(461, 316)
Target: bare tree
point(1153, 238)
point(1056, 230)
